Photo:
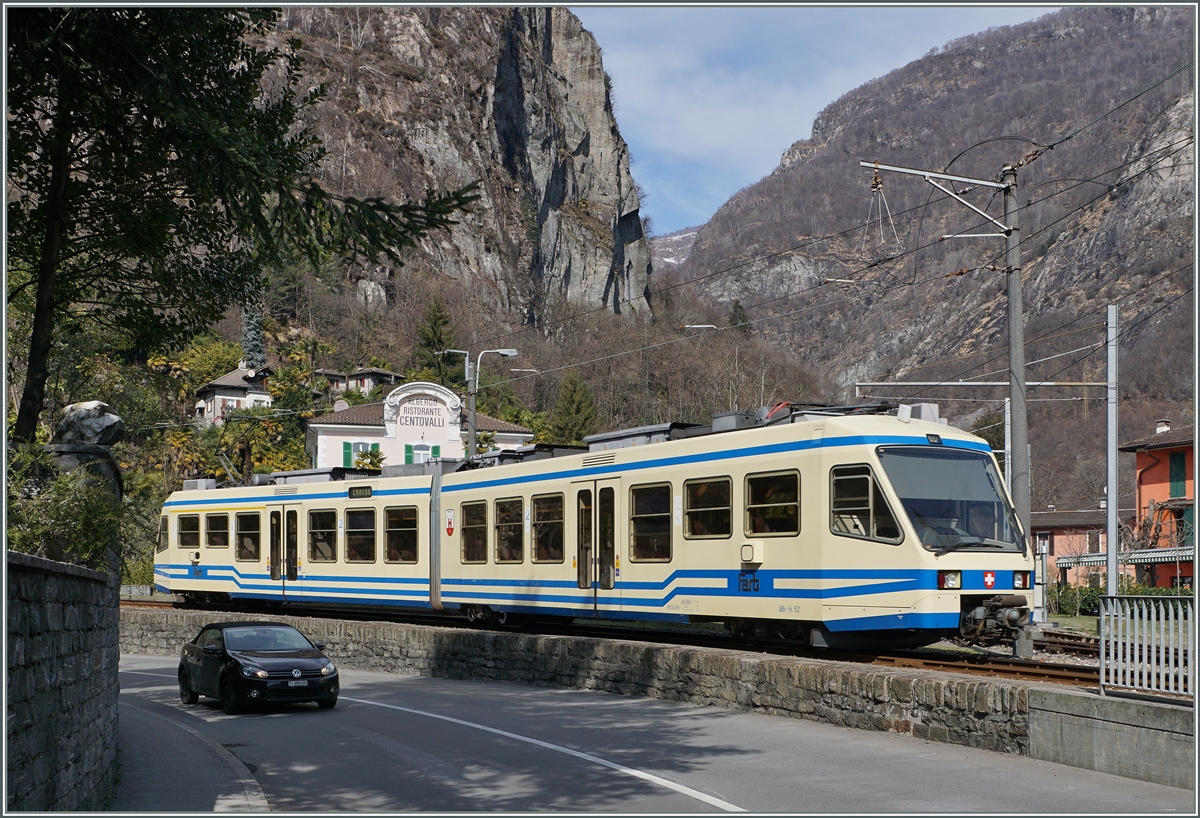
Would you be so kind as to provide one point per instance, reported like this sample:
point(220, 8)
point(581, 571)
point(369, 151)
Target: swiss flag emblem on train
point(989, 579)
point(449, 522)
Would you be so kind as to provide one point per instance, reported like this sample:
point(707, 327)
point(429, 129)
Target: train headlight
point(949, 580)
point(329, 669)
point(1020, 579)
point(254, 672)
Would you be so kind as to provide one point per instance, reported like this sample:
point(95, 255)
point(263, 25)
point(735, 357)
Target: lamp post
point(473, 388)
point(467, 374)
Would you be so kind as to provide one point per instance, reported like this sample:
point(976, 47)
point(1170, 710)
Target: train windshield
point(953, 497)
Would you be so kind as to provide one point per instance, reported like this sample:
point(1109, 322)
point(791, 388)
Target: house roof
point(1087, 519)
point(371, 414)
point(238, 379)
point(1172, 439)
point(373, 371)
point(325, 373)
point(1068, 519)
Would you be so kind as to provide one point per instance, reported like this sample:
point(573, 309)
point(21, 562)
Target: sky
point(709, 98)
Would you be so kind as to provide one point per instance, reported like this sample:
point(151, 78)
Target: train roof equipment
point(723, 422)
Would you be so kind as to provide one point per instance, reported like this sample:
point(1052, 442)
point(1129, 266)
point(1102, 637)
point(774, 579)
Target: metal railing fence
point(1146, 644)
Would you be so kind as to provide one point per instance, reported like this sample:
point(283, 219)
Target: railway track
point(974, 662)
point(1067, 642)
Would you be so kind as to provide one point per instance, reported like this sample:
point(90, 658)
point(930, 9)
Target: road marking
point(144, 673)
point(653, 779)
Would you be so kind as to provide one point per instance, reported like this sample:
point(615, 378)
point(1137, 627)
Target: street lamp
point(473, 388)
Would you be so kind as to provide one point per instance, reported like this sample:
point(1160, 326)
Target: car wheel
point(327, 704)
point(229, 702)
point(186, 694)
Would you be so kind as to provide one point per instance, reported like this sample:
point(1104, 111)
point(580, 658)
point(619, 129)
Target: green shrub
point(64, 516)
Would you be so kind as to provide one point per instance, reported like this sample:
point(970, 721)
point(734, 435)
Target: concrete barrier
point(973, 711)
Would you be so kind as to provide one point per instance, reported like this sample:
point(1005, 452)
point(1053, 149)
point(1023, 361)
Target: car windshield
point(953, 497)
point(265, 637)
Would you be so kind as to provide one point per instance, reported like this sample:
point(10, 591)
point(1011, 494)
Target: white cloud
point(709, 98)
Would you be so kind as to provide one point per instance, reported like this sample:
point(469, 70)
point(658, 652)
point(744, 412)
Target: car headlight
point(329, 669)
point(254, 672)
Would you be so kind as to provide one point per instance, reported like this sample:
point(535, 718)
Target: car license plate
point(297, 682)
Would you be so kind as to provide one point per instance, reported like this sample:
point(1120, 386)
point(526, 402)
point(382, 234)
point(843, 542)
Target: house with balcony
point(364, 380)
point(338, 381)
point(240, 389)
point(1165, 491)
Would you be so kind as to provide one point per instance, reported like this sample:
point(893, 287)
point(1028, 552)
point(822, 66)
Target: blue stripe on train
point(567, 593)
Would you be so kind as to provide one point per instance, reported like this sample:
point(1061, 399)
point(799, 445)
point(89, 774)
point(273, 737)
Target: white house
point(239, 389)
point(338, 381)
point(364, 380)
point(417, 422)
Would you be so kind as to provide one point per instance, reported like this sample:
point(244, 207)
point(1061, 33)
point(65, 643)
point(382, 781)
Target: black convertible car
point(246, 662)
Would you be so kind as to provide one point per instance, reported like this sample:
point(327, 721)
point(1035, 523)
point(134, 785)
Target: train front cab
point(930, 533)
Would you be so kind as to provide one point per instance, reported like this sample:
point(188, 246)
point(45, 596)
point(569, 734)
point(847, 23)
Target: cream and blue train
point(838, 527)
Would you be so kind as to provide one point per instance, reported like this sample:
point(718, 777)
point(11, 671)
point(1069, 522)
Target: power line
point(1072, 135)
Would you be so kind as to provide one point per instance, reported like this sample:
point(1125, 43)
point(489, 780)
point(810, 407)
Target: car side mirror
point(213, 649)
point(319, 645)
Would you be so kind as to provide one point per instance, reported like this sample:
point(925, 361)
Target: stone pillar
point(83, 439)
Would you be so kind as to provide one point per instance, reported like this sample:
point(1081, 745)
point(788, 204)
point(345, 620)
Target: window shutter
point(1178, 469)
point(347, 454)
point(374, 447)
point(408, 453)
point(436, 452)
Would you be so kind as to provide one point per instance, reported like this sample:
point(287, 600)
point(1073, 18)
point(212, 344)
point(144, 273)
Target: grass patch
point(1081, 624)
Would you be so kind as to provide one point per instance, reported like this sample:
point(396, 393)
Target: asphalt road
point(420, 744)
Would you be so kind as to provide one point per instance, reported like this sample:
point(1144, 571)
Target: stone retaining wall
point(62, 685)
point(973, 711)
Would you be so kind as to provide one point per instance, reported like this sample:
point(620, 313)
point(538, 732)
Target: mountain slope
point(1105, 216)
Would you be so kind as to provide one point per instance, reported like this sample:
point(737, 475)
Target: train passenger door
point(284, 562)
point(596, 559)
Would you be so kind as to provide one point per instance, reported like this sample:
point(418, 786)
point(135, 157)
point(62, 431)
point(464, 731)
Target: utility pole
point(1016, 354)
point(1112, 493)
point(1019, 419)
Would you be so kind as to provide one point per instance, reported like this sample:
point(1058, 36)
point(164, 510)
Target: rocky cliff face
point(516, 99)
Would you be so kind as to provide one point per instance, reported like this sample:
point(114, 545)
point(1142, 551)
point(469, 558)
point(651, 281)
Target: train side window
point(651, 523)
point(510, 539)
point(773, 504)
point(322, 536)
point(474, 532)
point(401, 527)
point(858, 507)
point(249, 530)
point(360, 535)
point(163, 537)
point(547, 545)
point(707, 509)
point(189, 531)
point(216, 530)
